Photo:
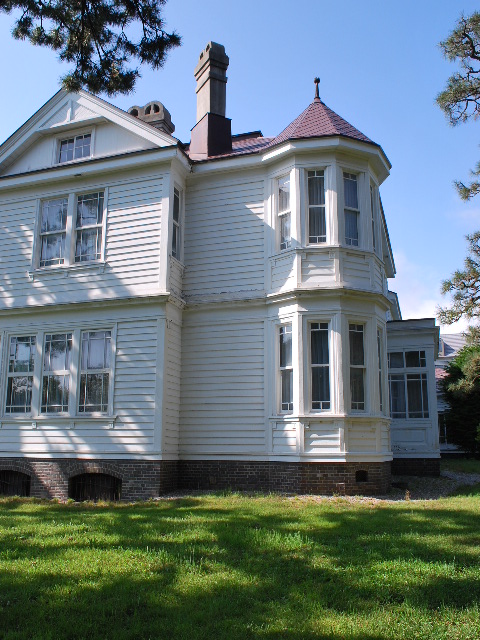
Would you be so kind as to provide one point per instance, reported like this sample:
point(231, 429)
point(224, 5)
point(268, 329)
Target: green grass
point(465, 465)
point(238, 567)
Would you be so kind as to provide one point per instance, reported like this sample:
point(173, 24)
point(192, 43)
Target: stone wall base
point(416, 466)
point(325, 478)
point(141, 479)
point(144, 479)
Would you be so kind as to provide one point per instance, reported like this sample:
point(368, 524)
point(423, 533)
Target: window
point(75, 148)
point(372, 206)
point(283, 211)
point(88, 227)
point(357, 367)
point(351, 209)
point(408, 389)
point(71, 229)
point(176, 224)
point(95, 371)
point(320, 365)
point(56, 372)
point(53, 231)
point(380, 366)
point(21, 359)
point(286, 368)
point(317, 230)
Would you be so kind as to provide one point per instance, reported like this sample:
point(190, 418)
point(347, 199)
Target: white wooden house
point(203, 315)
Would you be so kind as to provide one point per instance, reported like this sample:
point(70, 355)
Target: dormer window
point(75, 148)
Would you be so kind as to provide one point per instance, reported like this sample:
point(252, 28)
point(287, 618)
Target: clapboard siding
point(132, 250)
point(222, 395)
point(318, 268)
point(135, 376)
point(173, 357)
point(224, 237)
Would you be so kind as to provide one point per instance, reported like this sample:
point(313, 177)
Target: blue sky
point(380, 68)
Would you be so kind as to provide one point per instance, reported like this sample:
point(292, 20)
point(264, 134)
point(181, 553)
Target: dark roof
point(319, 121)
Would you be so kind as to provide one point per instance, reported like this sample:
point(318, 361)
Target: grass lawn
point(237, 567)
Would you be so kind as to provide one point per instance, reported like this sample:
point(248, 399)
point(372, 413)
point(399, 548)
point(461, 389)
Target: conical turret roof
point(318, 121)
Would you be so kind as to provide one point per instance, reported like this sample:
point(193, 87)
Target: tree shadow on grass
point(231, 568)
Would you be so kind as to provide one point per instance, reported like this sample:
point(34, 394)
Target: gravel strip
point(409, 488)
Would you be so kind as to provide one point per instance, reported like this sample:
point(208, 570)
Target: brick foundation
point(291, 477)
point(145, 479)
point(141, 479)
point(416, 466)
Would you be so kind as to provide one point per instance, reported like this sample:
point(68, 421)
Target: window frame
point(346, 208)
point(69, 258)
point(311, 366)
point(287, 368)
point(402, 374)
point(308, 206)
point(362, 367)
point(66, 135)
point(177, 225)
point(280, 216)
point(74, 370)
point(6, 340)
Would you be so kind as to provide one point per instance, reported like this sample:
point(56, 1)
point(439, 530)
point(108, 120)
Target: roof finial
point(317, 96)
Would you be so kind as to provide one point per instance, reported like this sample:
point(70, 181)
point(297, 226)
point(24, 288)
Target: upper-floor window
point(320, 365)
point(317, 228)
point(75, 148)
point(352, 212)
point(408, 388)
point(71, 229)
point(284, 212)
point(286, 367)
point(52, 231)
point(357, 367)
point(88, 227)
point(373, 210)
point(176, 239)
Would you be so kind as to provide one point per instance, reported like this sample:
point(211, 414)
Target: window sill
point(68, 269)
point(58, 420)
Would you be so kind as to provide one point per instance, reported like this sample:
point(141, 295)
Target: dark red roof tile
point(319, 121)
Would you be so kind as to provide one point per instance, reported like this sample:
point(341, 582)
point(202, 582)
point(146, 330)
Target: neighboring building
point(201, 316)
point(449, 346)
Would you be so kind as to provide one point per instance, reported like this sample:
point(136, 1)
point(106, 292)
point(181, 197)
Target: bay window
point(283, 212)
point(357, 367)
point(320, 365)
point(286, 368)
point(373, 212)
point(351, 210)
point(317, 230)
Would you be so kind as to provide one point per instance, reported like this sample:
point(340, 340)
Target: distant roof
point(318, 121)
point(452, 343)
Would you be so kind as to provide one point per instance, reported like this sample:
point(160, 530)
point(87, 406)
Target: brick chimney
point(212, 135)
point(156, 114)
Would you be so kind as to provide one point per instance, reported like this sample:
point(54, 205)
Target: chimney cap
point(156, 114)
point(215, 53)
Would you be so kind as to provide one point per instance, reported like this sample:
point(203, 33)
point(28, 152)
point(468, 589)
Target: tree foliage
point(465, 287)
point(461, 387)
point(96, 36)
point(460, 100)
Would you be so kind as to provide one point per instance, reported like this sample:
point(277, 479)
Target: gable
point(35, 145)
